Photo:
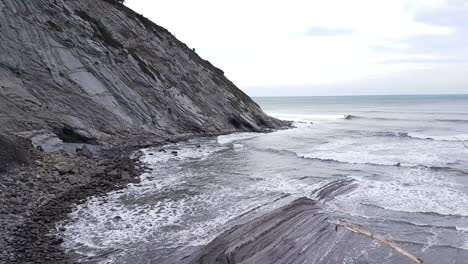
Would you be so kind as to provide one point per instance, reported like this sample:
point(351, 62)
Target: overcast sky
point(327, 47)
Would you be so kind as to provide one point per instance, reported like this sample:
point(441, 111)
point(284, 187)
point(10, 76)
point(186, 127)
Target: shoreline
point(39, 195)
point(102, 77)
point(48, 191)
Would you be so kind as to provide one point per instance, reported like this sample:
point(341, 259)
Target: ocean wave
point(434, 168)
point(446, 163)
point(307, 117)
point(393, 164)
point(455, 137)
point(423, 212)
point(334, 117)
point(353, 117)
point(412, 191)
point(416, 135)
point(383, 163)
point(231, 138)
point(421, 223)
point(452, 120)
point(181, 152)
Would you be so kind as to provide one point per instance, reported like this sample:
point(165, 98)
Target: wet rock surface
point(34, 197)
point(301, 232)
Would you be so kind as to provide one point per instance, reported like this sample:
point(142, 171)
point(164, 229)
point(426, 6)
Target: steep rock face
point(91, 71)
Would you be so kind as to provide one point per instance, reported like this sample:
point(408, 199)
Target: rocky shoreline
point(38, 193)
point(84, 85)
point(39, 189)
point(36, 196)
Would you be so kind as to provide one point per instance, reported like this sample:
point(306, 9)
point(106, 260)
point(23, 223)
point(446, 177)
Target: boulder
point(63, 168)
point(14, 150)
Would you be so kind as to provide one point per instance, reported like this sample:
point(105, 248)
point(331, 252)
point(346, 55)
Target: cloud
point(314, 42)
point(441, 79)
point(436, 48)
point(428, 61)
point(325, 32)
point(452, 15)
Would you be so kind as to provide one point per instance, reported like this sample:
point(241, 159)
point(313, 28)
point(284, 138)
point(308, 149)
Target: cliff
point(92, 71)
point(95, 80)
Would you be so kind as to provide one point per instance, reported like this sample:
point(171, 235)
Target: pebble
point(30, 209)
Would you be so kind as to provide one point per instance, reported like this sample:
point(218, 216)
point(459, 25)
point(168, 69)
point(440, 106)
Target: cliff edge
point(82, 83)
point(94, 71)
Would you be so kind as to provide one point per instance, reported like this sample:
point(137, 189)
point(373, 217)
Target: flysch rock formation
point(302, 231)
point(296, 233)
point(83, 83)
point(94, 71)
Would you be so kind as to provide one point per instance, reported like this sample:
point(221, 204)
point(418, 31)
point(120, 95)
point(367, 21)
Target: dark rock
point(75, 180)
point(125, 176)
point(296, 233)
point(100, 170)
point(111, 107)
point(113, 173)
point(148, 89)
point(57, 241)
point(63, 168)
point(85, 151)
point(14, 150)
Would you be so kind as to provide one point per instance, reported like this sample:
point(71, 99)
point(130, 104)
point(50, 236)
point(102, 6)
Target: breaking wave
point(353, 117)
point(416, 135)
point(308, 117)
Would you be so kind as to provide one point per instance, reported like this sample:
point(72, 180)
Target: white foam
point(94, 226)
point(234, 137)
point(410, 190)
point(307, 117)
point(179, 152)
point(192, 220)
point(170, 209)
point(462, 228)
point(389, 152)
point(166, 209)
point(455, 137)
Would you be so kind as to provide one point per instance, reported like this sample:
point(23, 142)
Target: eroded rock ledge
point(295, 234)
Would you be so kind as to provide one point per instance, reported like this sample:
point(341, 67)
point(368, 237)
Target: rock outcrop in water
point(298, 233)
point(94, 71)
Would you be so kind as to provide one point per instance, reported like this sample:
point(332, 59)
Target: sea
point(400, 161)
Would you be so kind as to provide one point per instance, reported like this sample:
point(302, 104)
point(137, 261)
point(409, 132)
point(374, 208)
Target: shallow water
point(402, 159)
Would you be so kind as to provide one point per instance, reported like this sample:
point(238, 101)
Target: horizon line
point(348, 95)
